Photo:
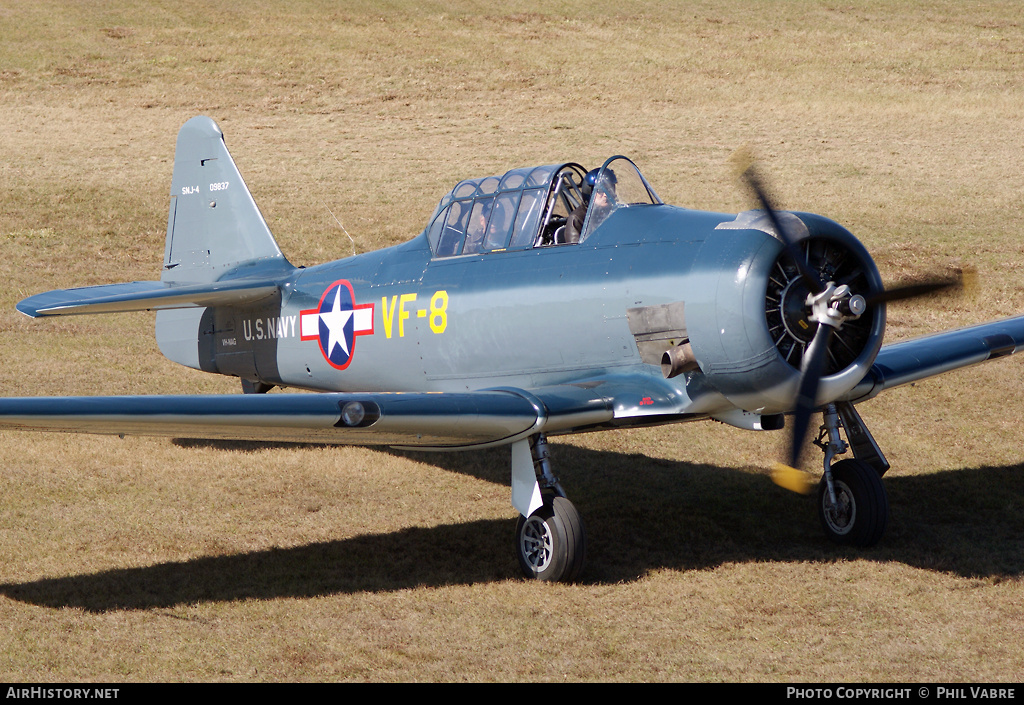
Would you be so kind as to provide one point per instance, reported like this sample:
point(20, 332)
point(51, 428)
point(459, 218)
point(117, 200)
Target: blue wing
point(446, 420)
point(914, 360)
point(425, 420)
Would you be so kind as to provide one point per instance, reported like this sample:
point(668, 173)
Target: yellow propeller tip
point(792, 479)
point(968, 276)
point(742, 159)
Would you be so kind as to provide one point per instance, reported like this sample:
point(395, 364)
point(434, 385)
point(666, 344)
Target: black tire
point(862, 512)
point(551, 543)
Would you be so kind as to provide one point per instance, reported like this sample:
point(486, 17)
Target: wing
point(445, 420)
point(932, 355)
point(422, 420)
point(432, 420)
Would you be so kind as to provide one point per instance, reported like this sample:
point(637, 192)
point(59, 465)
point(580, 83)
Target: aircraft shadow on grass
point(643, 514)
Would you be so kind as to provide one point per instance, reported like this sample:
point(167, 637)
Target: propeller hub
point(854, 306)
point(835, 305)
point(795, 308)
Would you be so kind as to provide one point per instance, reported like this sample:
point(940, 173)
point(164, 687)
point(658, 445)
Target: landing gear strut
point(551, 541)
point(852, 502)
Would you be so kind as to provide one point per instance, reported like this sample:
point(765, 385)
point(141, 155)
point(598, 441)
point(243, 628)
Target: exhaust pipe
point(678, 360)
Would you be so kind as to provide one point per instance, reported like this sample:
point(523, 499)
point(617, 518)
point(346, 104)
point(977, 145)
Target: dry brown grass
point(143, 559)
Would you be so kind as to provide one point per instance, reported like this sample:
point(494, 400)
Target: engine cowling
point(747, 317)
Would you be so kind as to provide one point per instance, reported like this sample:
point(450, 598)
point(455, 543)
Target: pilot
point(497, 228)
point(600, 196)
point(477, 227)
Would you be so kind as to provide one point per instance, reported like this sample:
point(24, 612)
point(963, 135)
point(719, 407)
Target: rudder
point(213, 225)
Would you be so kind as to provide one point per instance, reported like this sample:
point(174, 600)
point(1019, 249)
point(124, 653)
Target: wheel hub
point(536, 543)
point(842, 516)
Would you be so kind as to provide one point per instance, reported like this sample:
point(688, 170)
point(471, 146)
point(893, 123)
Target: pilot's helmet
point(590, 180)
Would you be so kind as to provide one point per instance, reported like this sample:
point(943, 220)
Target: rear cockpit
point(557, 204)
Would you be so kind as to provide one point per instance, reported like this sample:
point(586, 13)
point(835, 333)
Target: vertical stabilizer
point(214, 226)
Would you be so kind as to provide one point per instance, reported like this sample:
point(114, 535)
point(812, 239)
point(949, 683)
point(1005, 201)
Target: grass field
point(154, 560)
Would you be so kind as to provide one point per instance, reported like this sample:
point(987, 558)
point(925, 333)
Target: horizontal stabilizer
point(145, 296)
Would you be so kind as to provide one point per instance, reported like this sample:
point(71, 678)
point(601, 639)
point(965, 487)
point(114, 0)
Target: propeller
point(829, 306)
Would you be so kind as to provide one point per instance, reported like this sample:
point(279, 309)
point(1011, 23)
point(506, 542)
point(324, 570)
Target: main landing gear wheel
point(551, 543)
point(861, 513)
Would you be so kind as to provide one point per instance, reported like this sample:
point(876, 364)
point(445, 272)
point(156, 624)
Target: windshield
point(619, 184)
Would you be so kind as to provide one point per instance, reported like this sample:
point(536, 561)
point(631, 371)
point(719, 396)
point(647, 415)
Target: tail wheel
point(861, 512)
point(551, 543)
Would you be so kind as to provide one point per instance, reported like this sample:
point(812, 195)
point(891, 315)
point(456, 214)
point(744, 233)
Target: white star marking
point(335, 320)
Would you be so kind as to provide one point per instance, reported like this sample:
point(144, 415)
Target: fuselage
point(524, 318)
point(495, 294)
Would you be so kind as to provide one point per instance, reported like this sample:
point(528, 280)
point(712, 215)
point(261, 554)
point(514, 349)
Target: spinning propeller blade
point(910, 291)
point(814, 361)
point(811, 372)
point(756, 185)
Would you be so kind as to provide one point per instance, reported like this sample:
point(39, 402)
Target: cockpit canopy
point(532, 207)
